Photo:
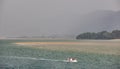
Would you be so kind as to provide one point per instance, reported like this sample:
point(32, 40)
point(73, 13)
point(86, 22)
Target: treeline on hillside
point(115, 34)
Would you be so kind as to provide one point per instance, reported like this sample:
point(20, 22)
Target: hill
point(97, 21)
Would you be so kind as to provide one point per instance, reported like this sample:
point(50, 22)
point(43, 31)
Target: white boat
point(71, 60)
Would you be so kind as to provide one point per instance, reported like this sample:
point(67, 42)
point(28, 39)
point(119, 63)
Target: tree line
point(115, 34)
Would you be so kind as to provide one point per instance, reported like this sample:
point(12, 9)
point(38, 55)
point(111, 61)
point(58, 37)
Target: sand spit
point(69, 43)
point(104, 47)
point(50, 43)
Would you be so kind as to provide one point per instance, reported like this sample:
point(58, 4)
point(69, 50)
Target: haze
point(48, 17)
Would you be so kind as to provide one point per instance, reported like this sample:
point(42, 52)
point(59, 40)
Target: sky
point(118, 4)
point(47, 17)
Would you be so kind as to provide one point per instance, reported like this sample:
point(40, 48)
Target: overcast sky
point(46, 17)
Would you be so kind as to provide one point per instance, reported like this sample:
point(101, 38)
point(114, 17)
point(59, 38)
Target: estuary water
point(20, 57)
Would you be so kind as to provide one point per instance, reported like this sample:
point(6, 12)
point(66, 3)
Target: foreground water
point(18, 57)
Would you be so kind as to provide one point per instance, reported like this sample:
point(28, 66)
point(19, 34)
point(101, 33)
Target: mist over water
point(51, 17)
point(1, 4)
point(117, 5)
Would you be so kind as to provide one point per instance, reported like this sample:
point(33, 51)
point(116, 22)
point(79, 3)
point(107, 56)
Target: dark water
point(9, 52)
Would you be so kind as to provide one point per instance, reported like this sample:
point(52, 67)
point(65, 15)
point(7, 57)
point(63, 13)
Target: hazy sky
point(47, 17)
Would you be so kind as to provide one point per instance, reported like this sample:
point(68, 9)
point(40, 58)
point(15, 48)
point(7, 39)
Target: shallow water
point(15, 57)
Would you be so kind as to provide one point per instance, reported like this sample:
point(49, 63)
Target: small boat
point(72, 60)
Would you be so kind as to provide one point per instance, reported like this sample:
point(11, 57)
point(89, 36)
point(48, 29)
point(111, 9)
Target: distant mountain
point(98, 21)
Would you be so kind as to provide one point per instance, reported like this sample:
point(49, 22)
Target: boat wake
point(30, 58)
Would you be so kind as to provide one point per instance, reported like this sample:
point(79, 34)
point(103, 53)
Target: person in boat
point(71, 59)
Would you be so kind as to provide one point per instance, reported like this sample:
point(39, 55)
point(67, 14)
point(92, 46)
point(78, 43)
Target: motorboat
point(72, 60)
